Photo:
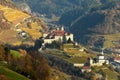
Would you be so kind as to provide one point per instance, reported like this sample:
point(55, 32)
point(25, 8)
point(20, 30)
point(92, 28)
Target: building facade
point(57, 35)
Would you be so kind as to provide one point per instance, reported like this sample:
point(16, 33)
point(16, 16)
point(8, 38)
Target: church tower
point(102, 53)
point(62, 28)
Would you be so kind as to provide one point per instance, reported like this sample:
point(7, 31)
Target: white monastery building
point(56, 35)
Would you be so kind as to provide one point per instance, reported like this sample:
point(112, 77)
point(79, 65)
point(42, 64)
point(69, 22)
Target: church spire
point(62, 28)
point(102, 51)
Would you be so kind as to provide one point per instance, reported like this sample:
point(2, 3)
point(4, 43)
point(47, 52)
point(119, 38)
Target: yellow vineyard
point(13, 15)
point(34, 31)
point(20, 20)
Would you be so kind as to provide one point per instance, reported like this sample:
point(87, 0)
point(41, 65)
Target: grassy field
point(111, 75)
point(9, 36)
point(77, 57)
point(81, 57)
point(11, 75)
point(110, 38)
point(69, 48)
point(57, 75)
point(15, 53)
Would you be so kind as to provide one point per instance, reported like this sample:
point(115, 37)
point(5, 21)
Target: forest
point(31, 64)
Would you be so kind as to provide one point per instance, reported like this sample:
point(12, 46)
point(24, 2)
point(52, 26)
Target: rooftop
point(86, 67)
point(59, 33)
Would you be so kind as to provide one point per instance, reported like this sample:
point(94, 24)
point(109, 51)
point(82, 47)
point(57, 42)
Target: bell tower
point(62, 28)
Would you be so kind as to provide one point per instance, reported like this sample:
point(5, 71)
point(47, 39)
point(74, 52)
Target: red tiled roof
point(46, 32)
point(59, 33)
point(86, 67)
point(116, 58)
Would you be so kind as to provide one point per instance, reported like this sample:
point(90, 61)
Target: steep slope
point(7, 3)
point(86, 17)
point(14, 65)
point(23, 6)
point(103, 22)
point(7, 74)
point(18, 27)
point(57, 7)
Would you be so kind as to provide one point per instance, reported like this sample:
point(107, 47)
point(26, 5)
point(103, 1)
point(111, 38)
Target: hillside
point(89, 20)
point(90, 27)
point(14, 65)
point(57, 7)
point(7, 74)
point(20, 65)
point(23, 6)
point(18, 27)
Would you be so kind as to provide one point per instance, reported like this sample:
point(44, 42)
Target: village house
point(99, 60)
point(57, 35)
point(86, 69)
point(78, 64)
point(117, 60)
point(116, 64)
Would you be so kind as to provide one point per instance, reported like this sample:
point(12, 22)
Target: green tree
point(64, 39)
point(69, 40)
point(2, 52)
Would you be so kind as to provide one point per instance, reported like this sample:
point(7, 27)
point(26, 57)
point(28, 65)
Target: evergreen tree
point(64, 39)
point(69, 40)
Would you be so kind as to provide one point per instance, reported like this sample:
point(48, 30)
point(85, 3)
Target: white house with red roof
point(86, 69)
point(117, 60)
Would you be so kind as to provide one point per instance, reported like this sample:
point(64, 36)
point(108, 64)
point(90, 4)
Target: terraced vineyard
point(34, 31)
point(12, 15)
point(19, 20)
point(110, 39)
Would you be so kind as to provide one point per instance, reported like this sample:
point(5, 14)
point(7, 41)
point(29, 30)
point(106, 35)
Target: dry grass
point(17, 43)
point(35, 34)
point(9, 36)
point(35, 25)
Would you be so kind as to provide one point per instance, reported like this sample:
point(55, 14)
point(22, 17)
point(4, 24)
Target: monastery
point(57, 35)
